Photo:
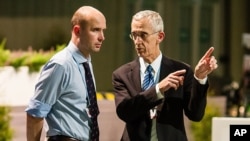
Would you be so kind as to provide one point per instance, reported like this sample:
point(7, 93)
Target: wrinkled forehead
point(138, 25)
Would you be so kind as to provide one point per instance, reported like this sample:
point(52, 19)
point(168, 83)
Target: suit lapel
point(134, 75)
point(166, 68)
point(134, 72)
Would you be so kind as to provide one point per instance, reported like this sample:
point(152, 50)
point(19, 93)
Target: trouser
point(61, 138)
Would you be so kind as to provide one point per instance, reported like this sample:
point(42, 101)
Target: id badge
point(153, 113)
point(87, 110)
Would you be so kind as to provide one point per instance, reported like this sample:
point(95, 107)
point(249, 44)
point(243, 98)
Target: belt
point(61, 138)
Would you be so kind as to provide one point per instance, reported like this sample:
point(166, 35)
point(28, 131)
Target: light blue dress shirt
point(60, 95)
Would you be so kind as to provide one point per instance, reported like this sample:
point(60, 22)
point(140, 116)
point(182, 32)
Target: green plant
point(60, 47)
point(31, 58)
point(4, 54)
point(17, 62)
point(202, 130)
point(35, 61)
point(6, 133)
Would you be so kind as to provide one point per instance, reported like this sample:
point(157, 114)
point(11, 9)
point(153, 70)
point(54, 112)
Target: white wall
point(16, 86)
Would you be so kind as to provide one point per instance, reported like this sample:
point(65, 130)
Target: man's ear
point(76, 30)
point(161, 36)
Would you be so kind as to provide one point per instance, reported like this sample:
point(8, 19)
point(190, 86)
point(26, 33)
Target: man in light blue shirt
point(61, 95)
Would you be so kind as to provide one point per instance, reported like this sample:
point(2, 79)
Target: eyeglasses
point(142, 35)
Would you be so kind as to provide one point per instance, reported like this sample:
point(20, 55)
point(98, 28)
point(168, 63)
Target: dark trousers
point(61, 138)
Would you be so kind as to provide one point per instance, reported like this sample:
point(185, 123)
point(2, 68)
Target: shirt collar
point(155, 64)
point(76, 54)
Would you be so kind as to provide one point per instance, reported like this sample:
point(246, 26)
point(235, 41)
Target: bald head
point(84, 14)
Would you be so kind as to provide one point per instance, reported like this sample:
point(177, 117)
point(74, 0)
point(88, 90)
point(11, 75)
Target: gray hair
point(153, 17)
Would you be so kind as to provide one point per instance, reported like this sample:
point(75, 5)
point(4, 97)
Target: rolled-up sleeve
point(38, 109)
point(47, 90)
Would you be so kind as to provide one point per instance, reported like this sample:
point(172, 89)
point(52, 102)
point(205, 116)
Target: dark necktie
point(148, 78)
point(148, 82)
point(93, 107)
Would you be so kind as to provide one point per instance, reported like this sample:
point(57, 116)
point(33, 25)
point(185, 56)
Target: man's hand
point(206, 65)
point(173, 80)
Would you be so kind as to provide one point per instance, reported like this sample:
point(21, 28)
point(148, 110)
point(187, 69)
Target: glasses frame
point(143, 35)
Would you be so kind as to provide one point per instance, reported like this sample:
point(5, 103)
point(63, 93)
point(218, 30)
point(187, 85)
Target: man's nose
point(101, 36)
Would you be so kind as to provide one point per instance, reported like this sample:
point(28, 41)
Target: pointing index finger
point(180, 72)
point(208, 53)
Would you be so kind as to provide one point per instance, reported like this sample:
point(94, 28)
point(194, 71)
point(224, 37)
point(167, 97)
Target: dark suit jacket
point(133, 104)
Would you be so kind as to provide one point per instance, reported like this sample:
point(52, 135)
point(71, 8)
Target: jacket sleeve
point(132, 105)
point(195, 98)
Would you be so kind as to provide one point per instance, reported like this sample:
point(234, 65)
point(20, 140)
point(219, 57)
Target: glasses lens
point(142, 35)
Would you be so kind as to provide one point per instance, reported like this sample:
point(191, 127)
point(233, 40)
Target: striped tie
point(148, 78)
point(147, 83)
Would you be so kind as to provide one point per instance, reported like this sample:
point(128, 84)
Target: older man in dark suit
point(153, 91)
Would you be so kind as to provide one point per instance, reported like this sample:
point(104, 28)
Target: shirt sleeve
point(158, 92)
point(37, 108)
point(47, 90)
point(201, 81)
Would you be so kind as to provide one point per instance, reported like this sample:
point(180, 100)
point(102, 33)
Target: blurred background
point(191, 27)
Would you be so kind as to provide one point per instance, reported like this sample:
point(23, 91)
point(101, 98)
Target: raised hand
point(206, 64)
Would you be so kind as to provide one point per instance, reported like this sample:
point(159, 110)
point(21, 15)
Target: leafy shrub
point(17, 62)
point(5, 131)
point(31, 58)
point(4, 54)
point(36, 60)
point(202, 130)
